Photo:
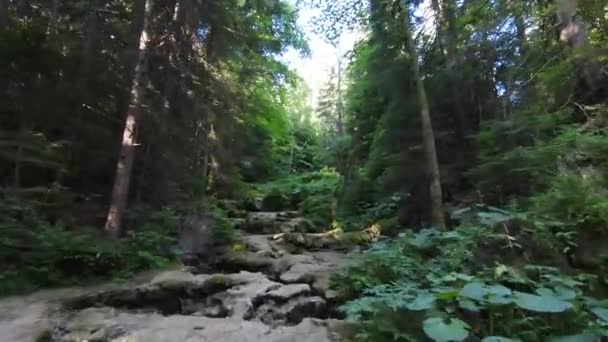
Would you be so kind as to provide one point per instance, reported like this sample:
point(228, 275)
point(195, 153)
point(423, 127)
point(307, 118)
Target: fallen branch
point(335, 238)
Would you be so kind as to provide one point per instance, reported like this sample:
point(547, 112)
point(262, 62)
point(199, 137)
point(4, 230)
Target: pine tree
point(122, 182)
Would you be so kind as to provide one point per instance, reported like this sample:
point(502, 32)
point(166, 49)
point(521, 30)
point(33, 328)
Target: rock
point(209, 307)
point(196, 241)
point(25, 322)
point(176, 292)
point(257, 203)
point(253, 262)
point(92, 324)
point(269, 222)
point(296, 311)
point(262, 223)
point(323, 264)
point(286, 292)
point(177, 305)
point(174, 278)
point(114, 326)
point(298, 224)
point(276, 311)
point(262, 244)
point(321, 285)
point(239, 299)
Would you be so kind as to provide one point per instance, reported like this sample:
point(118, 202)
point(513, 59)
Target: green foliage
point(440, 330)
point(427, 277)
point(312, 193)
point(223, 227)
point(367, 212)
point(35, 253)
point(573, 204)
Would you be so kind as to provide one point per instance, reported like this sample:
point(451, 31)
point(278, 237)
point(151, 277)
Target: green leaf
point(499, 290)
point(447, 295)
point(601, 313)
point(474, 290)
point(423, 239)
point(494, 294)
point(440, 330)
point(469, 305)
point(423, 301)
point(541, 303)
point(574, 338)
point(564, 293)
point(496, 339)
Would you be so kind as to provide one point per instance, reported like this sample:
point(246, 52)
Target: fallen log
point(333, 239)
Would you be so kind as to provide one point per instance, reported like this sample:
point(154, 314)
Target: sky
point(315, 69)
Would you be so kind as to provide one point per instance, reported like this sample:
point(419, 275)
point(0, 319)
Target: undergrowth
point(431, 285)
point(36, 253)
point(311, 193)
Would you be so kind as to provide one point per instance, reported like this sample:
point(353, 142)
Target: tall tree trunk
point(21, 140)
point(4, 13)
point(80, 94)
point(428, 136)
point(447, 36)
point(120, 190)
point(340, 106)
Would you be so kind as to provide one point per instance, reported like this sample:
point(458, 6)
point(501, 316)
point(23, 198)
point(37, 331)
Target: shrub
point(421, 286)
point(312, 193)
point(35, 253)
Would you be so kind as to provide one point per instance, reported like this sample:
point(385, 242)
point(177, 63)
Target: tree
point(120, 190)
point(428, 136)
point(330, 107)
point(3, 13)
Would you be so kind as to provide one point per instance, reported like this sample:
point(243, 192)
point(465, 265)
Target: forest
point(166, 175)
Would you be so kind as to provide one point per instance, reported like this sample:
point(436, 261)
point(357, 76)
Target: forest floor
point(265, 290)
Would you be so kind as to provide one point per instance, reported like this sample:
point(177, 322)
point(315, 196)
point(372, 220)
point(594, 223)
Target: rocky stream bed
point(265, 291)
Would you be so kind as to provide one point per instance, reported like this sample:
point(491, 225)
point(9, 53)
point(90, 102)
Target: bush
point(312, 193)
point(35, 253)
point(275, 201)
point(424, 286)
point(574, 204)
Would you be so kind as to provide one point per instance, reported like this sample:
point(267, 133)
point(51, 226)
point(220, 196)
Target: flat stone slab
point(287, 292)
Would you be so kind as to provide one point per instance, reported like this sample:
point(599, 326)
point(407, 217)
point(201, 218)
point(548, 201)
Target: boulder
point(197, 243)
point(298, 224)
point(269, 222)
point(287, 292)
point(305, 307)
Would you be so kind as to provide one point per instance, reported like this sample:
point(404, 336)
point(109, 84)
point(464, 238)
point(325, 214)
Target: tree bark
point(447, 37)
point(81, 94)
point(4, 13)
point(18, 156)
point(120, 190)
point(428, 136)
point(340, 106)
